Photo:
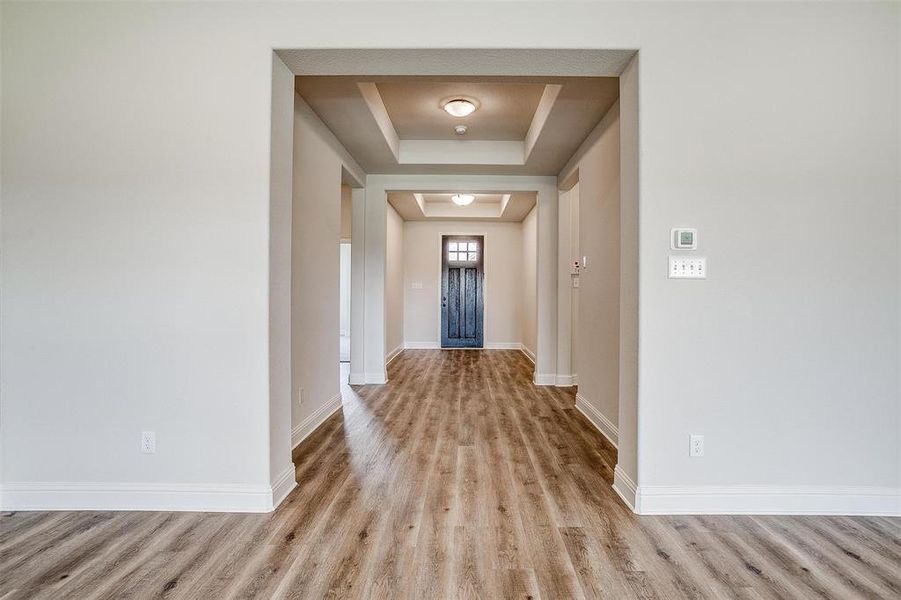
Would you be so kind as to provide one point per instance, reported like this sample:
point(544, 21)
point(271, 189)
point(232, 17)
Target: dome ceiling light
point(459, 106)
point(463, 199)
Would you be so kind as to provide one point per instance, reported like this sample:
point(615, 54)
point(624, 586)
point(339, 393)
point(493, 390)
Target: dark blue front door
point(462, 302)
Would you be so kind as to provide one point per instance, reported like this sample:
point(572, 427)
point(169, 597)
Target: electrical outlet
point(696, 445)
point(148, 442)
point(300, 395)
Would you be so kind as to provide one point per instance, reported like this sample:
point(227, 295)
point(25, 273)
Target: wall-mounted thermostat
point(684, 239)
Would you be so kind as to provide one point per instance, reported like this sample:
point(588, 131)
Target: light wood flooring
point(458, 479)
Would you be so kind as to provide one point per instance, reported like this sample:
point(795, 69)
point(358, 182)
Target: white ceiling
point(431, 206)
point(524, 125)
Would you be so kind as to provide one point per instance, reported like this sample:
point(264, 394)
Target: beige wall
point(346, 212)
point(597, 348)
point(153, 257)
point(315, 265)
point(394, 283)
point(529, 307)
point(503, 268)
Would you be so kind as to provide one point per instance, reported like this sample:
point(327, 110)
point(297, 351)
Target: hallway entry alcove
point(469, 165)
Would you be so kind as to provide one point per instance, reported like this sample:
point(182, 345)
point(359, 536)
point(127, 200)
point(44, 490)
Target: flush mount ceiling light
point(459, 106)
point(463, 199)
point(460, 129)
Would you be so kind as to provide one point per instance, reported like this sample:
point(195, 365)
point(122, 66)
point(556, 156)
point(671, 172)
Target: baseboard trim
point(394, 354)
point(529, 354)
point(422, 345)
point(626, 489)
point(283, 485)
point(769, 500)
point(356, 379)
point(376, 378)
point(545, 379)
point(177, 497)
point(598, 419)
point(486, 346)
point(564, 381)
point(302, 430)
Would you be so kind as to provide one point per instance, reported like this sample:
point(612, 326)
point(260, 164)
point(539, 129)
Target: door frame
point(484, 236)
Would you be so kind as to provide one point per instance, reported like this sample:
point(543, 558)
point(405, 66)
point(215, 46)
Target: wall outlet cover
point(696, 445)
point(148, 442)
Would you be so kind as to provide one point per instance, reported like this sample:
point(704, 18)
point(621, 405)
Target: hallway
point(457, 479)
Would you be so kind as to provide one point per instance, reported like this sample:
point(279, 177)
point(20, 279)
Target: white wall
point(344, 303)
point(528, 310)
point(135, 254)
point(598, 165)
point(315, 265)
point(319, 164)
point(394, 284)
point(281, 469)
point(627, 423)
point(503, 275)
point(346, 212)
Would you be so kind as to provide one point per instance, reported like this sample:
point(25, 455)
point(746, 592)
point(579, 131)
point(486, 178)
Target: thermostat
point(684, 239)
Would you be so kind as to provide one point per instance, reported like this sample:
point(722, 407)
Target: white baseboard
point(140, 496)
point(545, 379)
point(529, 354)
point(564, 381)
point(769, 500)
point(575, 379)
point(626, 489)
point(283, 485)
point(175, 497)
point(394, 354)
point(487, 346)
point(367, 378)
point(303, 429)
point(597, 418)
point(376, 378)
point(422, 345)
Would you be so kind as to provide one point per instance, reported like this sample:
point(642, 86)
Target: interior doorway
point(462, 291)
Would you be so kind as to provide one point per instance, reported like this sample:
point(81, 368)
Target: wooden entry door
point(462, 297)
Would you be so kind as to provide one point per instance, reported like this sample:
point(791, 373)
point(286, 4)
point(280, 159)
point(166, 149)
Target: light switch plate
point(687, 267)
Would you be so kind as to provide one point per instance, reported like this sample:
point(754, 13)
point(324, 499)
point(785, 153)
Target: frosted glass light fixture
point(463, 199)
point(459, 106)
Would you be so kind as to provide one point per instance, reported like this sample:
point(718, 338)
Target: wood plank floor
point(458, 479)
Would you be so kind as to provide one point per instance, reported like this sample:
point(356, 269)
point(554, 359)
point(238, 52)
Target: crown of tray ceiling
point(523, 125)
point(438, 206)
